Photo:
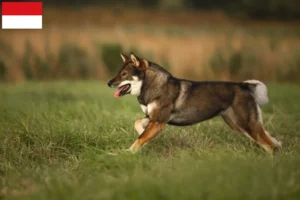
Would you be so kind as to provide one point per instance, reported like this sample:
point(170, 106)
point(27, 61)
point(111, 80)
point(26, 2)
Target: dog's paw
point(125, 151)
point(131, 150)
point(134, 147)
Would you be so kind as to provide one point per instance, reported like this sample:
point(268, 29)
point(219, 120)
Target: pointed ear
point(139, 63)
point(124, 57)
point(145, 64)
point(135, 60)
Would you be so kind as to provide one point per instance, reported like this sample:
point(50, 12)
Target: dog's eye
point(124, 74)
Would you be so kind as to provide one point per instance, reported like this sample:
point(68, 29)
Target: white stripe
point(22, 22)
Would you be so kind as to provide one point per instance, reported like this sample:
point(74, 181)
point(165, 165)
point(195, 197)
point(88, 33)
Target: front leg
point(158, 117)
point(152, 130)
point(141, 124)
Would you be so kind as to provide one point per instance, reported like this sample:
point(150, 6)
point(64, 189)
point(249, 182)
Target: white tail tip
point(260, 91)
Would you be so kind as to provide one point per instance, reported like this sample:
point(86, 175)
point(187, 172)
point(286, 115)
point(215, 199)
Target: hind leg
point(246, 118)
point(233, 120)
point(230, 118)
point(264, 138)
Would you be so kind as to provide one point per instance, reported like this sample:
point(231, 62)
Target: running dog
point(166, 99)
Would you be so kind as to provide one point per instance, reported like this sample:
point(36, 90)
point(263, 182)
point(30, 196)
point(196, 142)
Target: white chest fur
point(149, 108)
point(136, 86)
point(144, 108)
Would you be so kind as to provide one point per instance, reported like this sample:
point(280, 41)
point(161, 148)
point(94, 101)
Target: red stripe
point(22, 8)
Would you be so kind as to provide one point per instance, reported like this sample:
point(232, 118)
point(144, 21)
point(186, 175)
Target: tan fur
point(183, 94)
point(141, 124)
point(151, 131)
point(151, 109)
point(135, 61)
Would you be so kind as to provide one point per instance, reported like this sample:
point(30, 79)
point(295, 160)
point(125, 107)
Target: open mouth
point(122, 90)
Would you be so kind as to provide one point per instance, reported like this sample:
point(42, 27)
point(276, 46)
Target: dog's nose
point(109, 83)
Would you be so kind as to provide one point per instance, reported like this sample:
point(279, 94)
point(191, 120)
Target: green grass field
point(67, 140)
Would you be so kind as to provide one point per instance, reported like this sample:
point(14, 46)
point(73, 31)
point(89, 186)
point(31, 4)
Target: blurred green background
point(63, 135)
point(215, 39)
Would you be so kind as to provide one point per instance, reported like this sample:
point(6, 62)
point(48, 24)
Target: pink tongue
point(117, 93)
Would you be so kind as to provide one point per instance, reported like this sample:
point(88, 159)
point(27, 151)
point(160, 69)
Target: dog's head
point(129, 79)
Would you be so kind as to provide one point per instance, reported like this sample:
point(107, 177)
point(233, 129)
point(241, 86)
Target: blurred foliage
point(6, 52)
point(27, 60)
point(292, 72)
point(217, 61)
point(239, 64)
point(110, 55)
point(2, 71)
point(235, 63)
point(73, 62)
point(269, 59)
point(256, 9)
point(268, 9)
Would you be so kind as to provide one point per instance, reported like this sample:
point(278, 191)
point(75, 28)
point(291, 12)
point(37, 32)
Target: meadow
point(64, 136)
point(68, 140)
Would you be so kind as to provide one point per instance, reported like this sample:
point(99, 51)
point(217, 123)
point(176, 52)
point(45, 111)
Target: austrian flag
point(22, 15)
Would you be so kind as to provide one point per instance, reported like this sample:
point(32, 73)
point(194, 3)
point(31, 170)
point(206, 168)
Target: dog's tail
point(259, 90)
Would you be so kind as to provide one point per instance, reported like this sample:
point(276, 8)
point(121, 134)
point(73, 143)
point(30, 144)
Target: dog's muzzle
point(109, 83)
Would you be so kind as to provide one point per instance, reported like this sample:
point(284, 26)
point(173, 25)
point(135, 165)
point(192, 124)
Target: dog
point(166, 99)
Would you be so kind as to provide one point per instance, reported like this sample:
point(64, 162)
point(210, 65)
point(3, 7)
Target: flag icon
point(22, 15)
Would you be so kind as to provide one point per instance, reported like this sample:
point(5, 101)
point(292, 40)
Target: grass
point(66, 140)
